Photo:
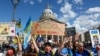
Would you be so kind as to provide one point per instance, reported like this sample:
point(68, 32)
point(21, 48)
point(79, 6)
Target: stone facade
point(48, 26)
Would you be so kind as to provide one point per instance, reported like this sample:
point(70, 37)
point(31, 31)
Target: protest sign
point(95, 38)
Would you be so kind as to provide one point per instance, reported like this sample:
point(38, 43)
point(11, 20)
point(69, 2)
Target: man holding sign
point(95, 39)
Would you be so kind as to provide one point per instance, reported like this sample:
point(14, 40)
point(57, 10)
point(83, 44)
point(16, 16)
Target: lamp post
point(14, 3)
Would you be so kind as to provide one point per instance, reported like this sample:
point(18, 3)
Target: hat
point(47, 44)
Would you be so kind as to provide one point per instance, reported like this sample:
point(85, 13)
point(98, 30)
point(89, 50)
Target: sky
point(82, 14)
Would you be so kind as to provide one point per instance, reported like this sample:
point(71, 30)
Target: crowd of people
point(35, 48)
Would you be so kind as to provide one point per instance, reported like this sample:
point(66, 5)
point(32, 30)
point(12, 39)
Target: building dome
point(47, 13)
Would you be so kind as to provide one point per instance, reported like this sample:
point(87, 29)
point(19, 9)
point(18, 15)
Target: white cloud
point(88, 20)
point(55, 15)
point(95, 16)
point(66, 8)
point(59, 1)
point(93, 10)
point(68, 24)
point(78, 1)
point(82, 22)
point(64, 18)
point(85, 22)
point(67, 12)
point(79, 28)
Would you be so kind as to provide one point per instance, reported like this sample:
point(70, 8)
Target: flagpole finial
point(48, 6)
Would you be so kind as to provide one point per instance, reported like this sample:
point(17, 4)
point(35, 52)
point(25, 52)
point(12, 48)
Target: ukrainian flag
point(28, 26)
point(26, 40)
point(27, 31)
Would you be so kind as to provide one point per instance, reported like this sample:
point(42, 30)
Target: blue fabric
point(39, 39)
point(64, 51)
point(26, 40)
point(27, 48)
point(85, 53)
point(13, 45)
point(27, 30)
point(94, 51)
point(27, 24)
point(70, 52)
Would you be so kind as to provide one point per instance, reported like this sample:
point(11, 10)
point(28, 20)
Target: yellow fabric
point(15, 41)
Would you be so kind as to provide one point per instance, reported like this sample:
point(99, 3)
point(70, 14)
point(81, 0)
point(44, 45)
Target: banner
point(95, 38)
point(49, 28)
point(70, 31)
point(7, 29)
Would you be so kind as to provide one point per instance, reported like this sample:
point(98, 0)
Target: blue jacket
point(85, 53)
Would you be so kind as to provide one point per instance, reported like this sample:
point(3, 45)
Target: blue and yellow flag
point(26, 40)
point(28, 26)
point(27, 31)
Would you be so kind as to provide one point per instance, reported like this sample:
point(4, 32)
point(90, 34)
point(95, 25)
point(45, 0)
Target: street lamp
point(18, 22)
point(14, 3)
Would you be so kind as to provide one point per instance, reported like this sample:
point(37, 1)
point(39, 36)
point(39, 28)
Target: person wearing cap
point(47, 49)
point(81, 50)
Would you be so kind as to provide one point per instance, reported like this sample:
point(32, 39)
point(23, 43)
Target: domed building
point(48, 26)
point(47, 13)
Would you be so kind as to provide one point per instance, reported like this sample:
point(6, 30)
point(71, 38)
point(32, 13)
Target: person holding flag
point(28, 45)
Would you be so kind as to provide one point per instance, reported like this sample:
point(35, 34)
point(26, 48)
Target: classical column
point(82, 37)
point(58, 38)
point(40, 35)
point(52, 38)
point(62, 38)
point(46, 37)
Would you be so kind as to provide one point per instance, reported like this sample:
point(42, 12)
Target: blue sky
point(83, 14)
